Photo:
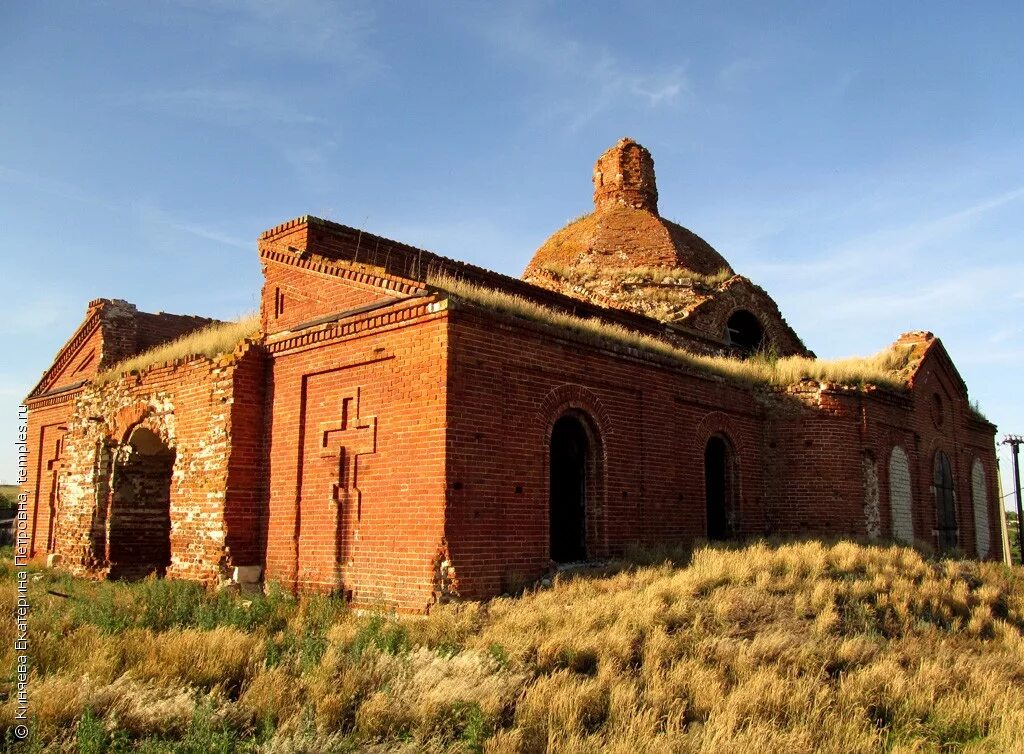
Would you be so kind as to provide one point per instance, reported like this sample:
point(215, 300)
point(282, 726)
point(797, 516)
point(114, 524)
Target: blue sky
point(862, 161)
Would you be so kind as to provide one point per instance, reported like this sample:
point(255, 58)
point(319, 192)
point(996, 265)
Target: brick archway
point(572, 415)
point(131, 531)
point(573, 396)
point(139, 519)
point(721, 454)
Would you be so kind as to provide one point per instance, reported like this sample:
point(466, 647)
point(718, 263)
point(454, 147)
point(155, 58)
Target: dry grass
point(589, 274)
point(798, 647)
point(209, 341)
point(885, 369)
point(666, 294)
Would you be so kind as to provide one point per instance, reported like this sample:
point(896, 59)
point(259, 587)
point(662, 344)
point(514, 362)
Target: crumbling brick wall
point(112, 330)
point(817, 454)
point(188, 405)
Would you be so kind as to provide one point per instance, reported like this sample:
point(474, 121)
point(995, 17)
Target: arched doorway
point(570, 468)
point(139, 538)
point(945, 502)
point(719, 489)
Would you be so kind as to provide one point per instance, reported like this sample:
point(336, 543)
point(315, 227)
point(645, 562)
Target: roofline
point(932, 345)
point(71, 346)
point(420, 264)
point(93, 320)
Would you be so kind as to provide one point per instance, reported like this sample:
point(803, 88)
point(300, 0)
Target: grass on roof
point(589, 274)
point(665, 294)
point(884, 369)
point(209, 341)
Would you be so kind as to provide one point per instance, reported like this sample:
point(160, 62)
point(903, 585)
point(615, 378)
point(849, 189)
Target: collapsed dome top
point(625, 229)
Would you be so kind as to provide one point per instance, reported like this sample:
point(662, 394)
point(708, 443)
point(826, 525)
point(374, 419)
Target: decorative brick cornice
point(374, 278)
point(403, 312)
point(57, 397)
point(285, 227)
point(70, 349)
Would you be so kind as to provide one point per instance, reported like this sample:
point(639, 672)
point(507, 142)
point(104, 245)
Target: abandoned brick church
point(403, 428)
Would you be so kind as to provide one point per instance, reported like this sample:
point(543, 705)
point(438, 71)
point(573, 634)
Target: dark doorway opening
point(744, 332)
point(570, 461)
point(719, 489)
point(945, 502)
point(139, 542)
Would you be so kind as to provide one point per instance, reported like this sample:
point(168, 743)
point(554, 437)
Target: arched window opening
point(139, 539)
point(744, 332)
point(945, 502)
point(979, 493)
point(720, 489)
point(872, 509)
point(571, 464)
point(900, 496)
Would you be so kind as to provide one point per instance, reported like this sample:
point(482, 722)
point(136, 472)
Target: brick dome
point(625, 229)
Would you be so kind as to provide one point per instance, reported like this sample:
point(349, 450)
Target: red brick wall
point(368, 521)
point(510, 381)
point(47, 421)
point(247, 473)
point(815, 449)
point(799, 458)
point(293, 296)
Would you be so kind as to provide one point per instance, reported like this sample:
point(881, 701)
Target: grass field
point(792, 647)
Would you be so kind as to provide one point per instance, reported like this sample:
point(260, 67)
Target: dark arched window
point(945, 502)
point(744, 332)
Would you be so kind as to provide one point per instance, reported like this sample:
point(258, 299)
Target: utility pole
point(1015, 441)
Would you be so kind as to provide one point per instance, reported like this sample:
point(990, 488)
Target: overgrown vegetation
point(884, 369)
point(210, 341)
point(590, 274)
point(666, 294)
point(794, 647)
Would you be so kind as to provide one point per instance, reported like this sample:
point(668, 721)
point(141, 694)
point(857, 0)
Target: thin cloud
point(156, 216)
point(734, 76)
point(334, 32)
point(895, 246)
point(64, 190)
point(588, 79)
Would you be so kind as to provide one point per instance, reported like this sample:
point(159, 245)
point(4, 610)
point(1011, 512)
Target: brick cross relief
point(56, 463)
point(343, 442)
